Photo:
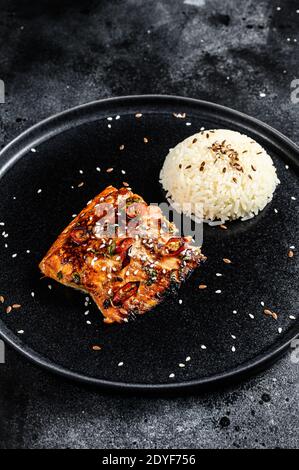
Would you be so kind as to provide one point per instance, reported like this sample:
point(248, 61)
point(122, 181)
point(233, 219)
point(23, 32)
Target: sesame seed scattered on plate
point(171, 376)
point(218, 274)
point(33, 150)
point(32, 294)
point(20, 332)
point(203, 346)
point(39, 191)
point(234, 312)
point(181, 365)
point(88, 322)
point(280, 330)
point(251, 316)
point(188, 358)
point(87, 312)
point(180, 301)
point(98, 168)
point(292, 317)
point(14, 255)
point(233, 349)
point(233, 336)
point(120, 364)
point(218, 291)
point(293, 198)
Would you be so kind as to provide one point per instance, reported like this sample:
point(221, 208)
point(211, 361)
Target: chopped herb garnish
point(76, 278)
point(111, 248)
point(152, 276)
point(59, 275)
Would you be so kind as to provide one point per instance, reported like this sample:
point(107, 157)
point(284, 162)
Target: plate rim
point(29, 138)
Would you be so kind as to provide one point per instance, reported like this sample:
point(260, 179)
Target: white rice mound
point(234, 179)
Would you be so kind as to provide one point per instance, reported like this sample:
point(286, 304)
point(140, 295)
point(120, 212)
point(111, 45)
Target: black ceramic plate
point(65, 150)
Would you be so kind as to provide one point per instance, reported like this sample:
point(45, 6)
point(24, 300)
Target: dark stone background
point(57, 54)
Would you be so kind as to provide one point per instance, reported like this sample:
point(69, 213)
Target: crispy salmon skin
point(123, 253)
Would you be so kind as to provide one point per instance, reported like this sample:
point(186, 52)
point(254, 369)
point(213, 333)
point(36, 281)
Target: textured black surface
point(58, 54)
point(73, 147)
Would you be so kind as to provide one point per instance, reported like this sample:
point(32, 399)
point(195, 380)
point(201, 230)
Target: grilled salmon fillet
point(123, 253)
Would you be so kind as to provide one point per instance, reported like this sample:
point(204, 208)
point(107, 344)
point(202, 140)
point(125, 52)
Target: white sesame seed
point(234, 312)
point(278, 8)
point(27, 251)
point(49, 286)
point(117, 117)
point(120, 364)
point(286, 167)
point(188, 123)
point(109, 126)
point(81, 172)
point(293, 198)
point(262, 95)
point(276, 211)
point(181, 365)
point(202, 128)
point(14, 255)
point(2, 223)
point(109, 118)
point(188, 358)
point(123, 172)
point(20, 332)
point(218, 274)
point(292, 317)
point(32, 294)
point(262, 304)
point(292, 247)
point(218, 291)
point(280, 330)
point(180, 301)
point(171, 376)
point(88, 322)
point(233, 336)
point(98, 168)
point(33, 150)
point(39, 191)
point(233, 349)
point(251, 316)
point(203, 346)
point(87, 312)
